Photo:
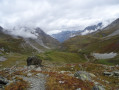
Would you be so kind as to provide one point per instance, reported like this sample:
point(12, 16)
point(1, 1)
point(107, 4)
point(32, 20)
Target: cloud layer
point(57, 15)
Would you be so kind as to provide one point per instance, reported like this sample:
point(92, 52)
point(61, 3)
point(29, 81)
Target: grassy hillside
point(11, 44)
point(14, 59)
point(62, 57)
point(89, 43)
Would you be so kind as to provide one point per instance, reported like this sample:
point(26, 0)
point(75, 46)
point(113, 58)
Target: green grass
point(14, 59)
point(104, 61)
point(65, 57)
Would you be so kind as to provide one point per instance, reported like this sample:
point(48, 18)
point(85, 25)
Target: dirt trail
point(36, 83)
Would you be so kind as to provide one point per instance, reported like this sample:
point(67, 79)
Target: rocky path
point(36, 83)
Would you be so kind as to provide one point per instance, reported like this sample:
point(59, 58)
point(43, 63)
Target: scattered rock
point(61, 82)
point(116, 73)
point(65, 72)
point(29, 74)
point(31, 67)
point(2, 58)
point(107, 82)
point(111, 67)
point(92, 75)
point(108, 73)
point(98, 88)
point(83, 75)
point(96, 83)
point(71, 75)
point(38, 69)
point(78, 89)
point(38, 74)
point(117, 65)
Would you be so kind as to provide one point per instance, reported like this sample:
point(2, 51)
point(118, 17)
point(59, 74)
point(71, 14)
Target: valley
point(82, 62)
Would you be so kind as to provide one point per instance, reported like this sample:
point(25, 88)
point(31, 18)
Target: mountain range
point(102, 40)
point(65, 35)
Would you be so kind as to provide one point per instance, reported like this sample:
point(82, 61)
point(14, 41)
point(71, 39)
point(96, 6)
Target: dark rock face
point(34, 61)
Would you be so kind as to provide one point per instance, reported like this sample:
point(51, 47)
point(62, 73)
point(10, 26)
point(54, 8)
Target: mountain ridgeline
point(101, 41)
point(12, 43)
point(65, 35)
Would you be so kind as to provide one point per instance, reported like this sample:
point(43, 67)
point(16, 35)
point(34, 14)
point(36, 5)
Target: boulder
point(108, 73)
point(92, 75)
point(34, 61)
point(83, 75)
point(38, 69)
point(31, 67)
point(3, 82)
point(116, 73)
point(29, 74)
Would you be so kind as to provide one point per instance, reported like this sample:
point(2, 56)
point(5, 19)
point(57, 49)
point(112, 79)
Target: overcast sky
point(57, 15)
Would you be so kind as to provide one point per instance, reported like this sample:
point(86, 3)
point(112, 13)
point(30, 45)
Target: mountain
point(10, 42)
point(103, 40)
point(65, 35)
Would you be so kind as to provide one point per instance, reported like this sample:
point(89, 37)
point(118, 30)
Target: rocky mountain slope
point(15, 43)
point(104, 40)
point(102, 43)
point(65, 35)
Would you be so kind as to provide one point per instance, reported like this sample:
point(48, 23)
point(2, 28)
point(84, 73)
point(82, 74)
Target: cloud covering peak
point(57, 15)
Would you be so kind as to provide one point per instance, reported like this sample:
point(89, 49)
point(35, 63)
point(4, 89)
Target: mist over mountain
point(59, 44)
point(26, 39)
point(65, 35)
point(101, 41)
point(54, 16)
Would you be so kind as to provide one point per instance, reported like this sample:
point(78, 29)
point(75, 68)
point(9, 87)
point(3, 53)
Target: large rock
point(38, 69)
point(3, 82)
point(116, 73)
point(34, 61)
point(31, 67)
point(108, 73)
point(83, 75)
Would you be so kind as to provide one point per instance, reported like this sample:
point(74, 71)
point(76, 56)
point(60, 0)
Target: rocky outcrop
point(34, 61)
point(83, 75)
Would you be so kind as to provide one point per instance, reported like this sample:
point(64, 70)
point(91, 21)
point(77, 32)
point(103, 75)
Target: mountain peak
point(39, 30)
point(94, 27)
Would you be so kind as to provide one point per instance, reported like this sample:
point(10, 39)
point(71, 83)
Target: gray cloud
point(57, 15)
